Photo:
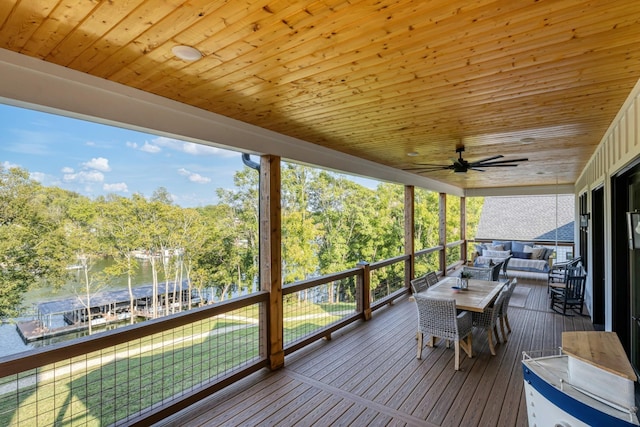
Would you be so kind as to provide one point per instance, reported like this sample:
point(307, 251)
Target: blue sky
point(94, 159)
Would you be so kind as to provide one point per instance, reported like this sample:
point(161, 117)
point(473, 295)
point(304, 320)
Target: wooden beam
point(271, 257)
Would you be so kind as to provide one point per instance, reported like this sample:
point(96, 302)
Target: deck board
point(368, 374)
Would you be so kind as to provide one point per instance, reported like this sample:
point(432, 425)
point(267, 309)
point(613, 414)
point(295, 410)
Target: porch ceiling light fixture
point(186, 53)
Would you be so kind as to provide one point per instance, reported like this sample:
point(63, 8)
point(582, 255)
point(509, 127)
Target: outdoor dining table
point(477, 297)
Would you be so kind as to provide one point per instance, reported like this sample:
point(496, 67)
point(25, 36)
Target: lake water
point(10, 340)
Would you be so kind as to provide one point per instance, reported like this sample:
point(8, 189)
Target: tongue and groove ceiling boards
point(396, 82)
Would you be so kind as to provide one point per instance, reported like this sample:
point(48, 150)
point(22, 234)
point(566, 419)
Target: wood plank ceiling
point(378, 79)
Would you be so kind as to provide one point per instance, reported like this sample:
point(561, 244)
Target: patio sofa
point(527, 259)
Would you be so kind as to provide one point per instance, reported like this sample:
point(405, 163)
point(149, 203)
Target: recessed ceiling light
point(186, 53)
point(527, 140)
point(412, 153)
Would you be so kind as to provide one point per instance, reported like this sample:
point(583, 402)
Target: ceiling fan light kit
point(461, 165)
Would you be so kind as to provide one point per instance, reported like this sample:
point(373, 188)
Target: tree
point(121, 233)
point(33, 245)
point(299, 231)
point(244, 202)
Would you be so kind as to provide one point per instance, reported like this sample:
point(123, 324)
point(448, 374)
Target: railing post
point(409, 226)
point(364, 286)
point(463, 230)
point(270, 257)
point(442, 232)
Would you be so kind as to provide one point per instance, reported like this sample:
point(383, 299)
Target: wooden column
point(409, 233)
point(463, 229)
point(271, 257)
point(442, 215)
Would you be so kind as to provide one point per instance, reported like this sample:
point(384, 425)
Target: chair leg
point(495, 332)
point(490, 337)
point(467, 345)
point(420, 338)
point(506, 320)
point(457, 355)
point(504, 335)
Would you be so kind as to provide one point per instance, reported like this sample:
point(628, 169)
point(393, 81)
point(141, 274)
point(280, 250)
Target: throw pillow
point(505, 244)
point(495, 248)
point(546, 253)
point(495, 254)
point(522, 255)
point(480, 247)
point(519, 246)
point(536, 253)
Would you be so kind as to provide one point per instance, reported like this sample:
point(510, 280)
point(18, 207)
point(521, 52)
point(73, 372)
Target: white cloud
point(119, 187)
point(8, 165)
point(67, 170)
point(146, 147)
point(192, 148)
point(150, 148)
point(84, 176)
point(98, 163)
point(38, 176)
point(194, 177)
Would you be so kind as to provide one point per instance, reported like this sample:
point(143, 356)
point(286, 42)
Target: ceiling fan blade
point(427, 168)
point(499, 162)
point(476, 169)
point(488, 159)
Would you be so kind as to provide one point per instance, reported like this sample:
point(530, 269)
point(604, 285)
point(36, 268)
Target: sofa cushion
point(495, 254)
point(522, 255)
point(480, 247)
point(519, 246)
point(506, 244)
point(536, 253)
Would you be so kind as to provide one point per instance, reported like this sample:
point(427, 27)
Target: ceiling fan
point(460, 165)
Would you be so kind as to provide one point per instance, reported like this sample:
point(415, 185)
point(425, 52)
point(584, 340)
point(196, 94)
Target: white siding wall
point(619, 147)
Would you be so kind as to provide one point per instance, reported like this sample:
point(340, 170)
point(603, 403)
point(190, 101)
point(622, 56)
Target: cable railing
point(314, 308)
point(388, 280)
point(121, 377)
point(141, 373)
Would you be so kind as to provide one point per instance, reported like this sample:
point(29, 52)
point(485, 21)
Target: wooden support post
point(442, 234)
point(463, 229)
point(270, 256)
point(364, 287)
point(409, 228)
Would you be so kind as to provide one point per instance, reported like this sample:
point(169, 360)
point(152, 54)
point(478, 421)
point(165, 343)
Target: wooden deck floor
point(368, 374)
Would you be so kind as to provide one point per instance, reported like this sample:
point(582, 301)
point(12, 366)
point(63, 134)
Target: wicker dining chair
point(437, 318)
point(504, 310)
point(419, 284)
point(479, 273)
point(489, 319)
point(432, 278)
